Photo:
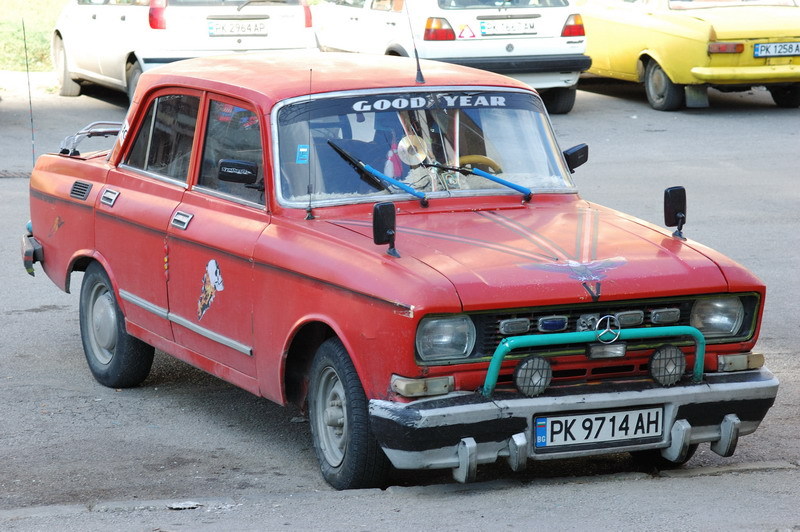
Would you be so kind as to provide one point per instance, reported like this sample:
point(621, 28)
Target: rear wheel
point(787, 97)
point(559, 101)
point(115, 358)
point(67, 85)
point(662, 93)
point(348, 454)
point(132, 73)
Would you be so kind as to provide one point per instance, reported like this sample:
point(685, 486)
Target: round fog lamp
point(533, 376)
point(667, 365)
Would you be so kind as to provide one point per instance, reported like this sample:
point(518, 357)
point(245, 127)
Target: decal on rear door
point(212, 283)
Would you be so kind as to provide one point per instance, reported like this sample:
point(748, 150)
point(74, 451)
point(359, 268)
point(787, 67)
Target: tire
point(348, 454)
point(132, 73)
point(67, 85)
point(559, 101)
point(787, 97)
point(115, 358)
point(662, 93)
point(652, 459)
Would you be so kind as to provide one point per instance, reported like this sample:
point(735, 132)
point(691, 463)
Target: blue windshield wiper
point(376, 178)
point(477, 171)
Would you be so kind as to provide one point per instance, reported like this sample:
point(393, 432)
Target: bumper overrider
point(463, 429)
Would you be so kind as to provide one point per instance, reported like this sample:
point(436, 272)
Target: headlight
point(719, 316)
point(445, 338)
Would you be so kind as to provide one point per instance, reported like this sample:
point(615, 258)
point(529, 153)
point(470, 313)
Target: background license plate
point(559, 431)
point(225, 28)
point(776, 49)
point(506, 27)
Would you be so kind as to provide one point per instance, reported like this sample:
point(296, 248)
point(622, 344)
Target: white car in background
point(543, 40)
point(111, 42)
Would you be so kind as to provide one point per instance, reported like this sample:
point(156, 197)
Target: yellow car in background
point(679, 48)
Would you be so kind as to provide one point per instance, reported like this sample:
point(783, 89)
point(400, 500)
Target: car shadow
point(754, 99)
point(109, 96)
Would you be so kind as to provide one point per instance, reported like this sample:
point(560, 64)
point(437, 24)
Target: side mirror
point(576, 156)
point(233, 171)
point(675, 209)
point(384, 226)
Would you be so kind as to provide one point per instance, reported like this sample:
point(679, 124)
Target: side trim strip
point(183, 322)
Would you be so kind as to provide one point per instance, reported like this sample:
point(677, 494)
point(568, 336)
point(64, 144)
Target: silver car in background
point(111, 42)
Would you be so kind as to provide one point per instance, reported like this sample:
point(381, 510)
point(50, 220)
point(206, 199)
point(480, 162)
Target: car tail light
point(725, 47)
point(573, 27)
point(438, 29)
point(156, 15)
point(307, 13)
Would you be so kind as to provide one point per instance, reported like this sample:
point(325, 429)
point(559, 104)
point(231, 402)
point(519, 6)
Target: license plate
point(234, 28)
point(599, 427)
point(776, 49)
point(506, 27)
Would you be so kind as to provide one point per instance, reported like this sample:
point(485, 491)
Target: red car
point(399, 249)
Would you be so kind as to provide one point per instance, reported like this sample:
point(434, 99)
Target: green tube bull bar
point(540, 340)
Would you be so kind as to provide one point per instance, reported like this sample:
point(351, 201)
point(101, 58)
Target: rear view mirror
point(383, 226)
point(234, 171)
point(675, 209)
point(576, 156)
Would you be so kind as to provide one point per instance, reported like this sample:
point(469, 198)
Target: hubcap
point(103, 325)
point(331, 414)
point(658, 84)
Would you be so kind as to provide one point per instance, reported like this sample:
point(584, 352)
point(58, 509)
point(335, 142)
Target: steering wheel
point(482, 160)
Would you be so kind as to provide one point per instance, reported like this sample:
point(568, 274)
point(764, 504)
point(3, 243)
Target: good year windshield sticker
point(447, 101)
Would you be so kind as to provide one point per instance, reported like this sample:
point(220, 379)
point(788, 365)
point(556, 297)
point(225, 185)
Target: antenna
point(30, 100)
point(420, 77)
point(309, 188)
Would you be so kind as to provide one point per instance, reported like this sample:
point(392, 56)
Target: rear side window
point(163, 144)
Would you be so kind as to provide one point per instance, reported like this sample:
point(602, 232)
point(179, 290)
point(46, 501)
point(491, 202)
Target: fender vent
point(80, 190)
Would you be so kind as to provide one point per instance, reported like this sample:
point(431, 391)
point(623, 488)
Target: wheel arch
point(299, 354)
point(397, 50)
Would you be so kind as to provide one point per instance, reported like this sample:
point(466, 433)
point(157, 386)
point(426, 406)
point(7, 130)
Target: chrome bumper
point(462, 429)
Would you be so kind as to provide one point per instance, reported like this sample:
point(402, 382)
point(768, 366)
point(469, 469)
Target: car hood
point(551, 254)
point(750, 22)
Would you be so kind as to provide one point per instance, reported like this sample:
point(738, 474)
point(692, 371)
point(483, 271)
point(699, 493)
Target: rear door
point(339, 24)
point(211, 239)
point(138, 201)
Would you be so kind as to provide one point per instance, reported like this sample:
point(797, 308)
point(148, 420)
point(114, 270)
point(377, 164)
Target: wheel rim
point(103, 324)
point(659, 84)
point(61, 61)
point(331, 415)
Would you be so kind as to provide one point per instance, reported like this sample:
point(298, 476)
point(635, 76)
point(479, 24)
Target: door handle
point(109, 197)
point(181, 220)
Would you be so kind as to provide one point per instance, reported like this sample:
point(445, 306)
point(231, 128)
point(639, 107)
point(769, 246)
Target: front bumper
point(463, 429)
point(525, 64)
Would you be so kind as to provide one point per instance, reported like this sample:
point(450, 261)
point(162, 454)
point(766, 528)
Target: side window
point(232, 156)
point(388, 5)
point(163, 144)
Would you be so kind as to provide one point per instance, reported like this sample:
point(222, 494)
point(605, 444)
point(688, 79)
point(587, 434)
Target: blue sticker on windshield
point(302, 154)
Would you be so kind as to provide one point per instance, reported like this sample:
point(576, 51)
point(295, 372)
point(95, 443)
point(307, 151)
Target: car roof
point(270, 77)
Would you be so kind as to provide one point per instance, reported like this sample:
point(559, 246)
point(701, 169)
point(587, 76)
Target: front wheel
point(348, 454)
point(662, 93)
point(115, 358)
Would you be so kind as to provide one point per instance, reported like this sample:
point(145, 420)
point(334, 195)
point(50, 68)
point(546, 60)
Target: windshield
point(436, 143)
